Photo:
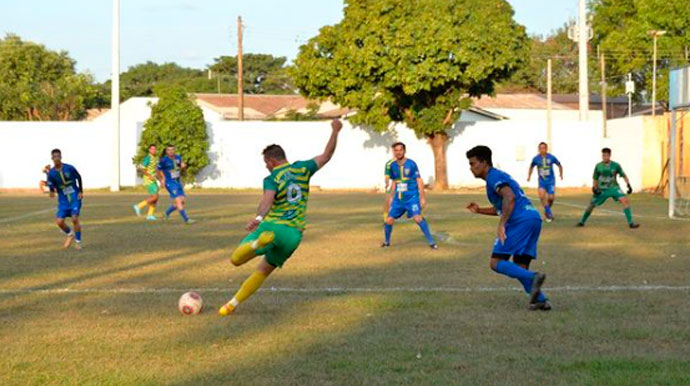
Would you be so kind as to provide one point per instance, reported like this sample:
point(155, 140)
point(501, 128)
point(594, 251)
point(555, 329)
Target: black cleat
point(580, 224)
point(543, 306)
point(385, 245)
point(433, 246)
point(536, 287)
point(634, 226)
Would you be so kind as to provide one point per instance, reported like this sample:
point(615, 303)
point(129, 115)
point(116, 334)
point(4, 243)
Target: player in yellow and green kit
point(148, 171)
point(606, 186)
point(280, 219)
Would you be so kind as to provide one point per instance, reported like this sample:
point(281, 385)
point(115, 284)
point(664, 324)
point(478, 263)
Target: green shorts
point(152, 188)
point(286, 241)
point(615, 193)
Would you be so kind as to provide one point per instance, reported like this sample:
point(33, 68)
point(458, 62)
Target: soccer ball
point(190, 303)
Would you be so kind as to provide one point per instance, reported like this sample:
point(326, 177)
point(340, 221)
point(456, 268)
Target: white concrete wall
point(236, 160)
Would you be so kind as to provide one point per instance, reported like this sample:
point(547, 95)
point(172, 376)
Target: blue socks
point(387, 230)
point(183, 213)
point(524, 276)
point(547, 210)
point(67, 231)
point(77, 236)
point(427, 233)
point(171, 209)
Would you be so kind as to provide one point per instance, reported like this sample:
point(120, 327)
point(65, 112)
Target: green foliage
point(40, 84)
point(142, 79)
point(263, 73)
point(176, 120)
point(312, 113)
point(621, 29)
point(412, 61)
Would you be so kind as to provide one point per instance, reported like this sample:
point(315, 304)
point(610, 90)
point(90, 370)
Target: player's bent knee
point(418, 219)
point(390, 221)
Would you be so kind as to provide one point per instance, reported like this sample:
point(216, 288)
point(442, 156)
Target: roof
point(266, 106)
point(516, 101)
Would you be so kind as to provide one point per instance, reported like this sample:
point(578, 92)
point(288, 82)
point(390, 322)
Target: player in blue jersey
point(518, 228)
point(65, 180)
point(407, 194)
point(544, 162)
point(170, 168)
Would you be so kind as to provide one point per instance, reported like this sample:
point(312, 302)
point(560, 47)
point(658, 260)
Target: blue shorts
point(548, 186)
point(68, 210)
point(398, 208)
point(175, 189)
point(521, 238)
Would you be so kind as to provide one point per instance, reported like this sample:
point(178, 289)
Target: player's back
point(291, 184)
point(523, 209)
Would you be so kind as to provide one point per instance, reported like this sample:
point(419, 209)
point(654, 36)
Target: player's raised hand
point(336, 124)
point(473, 207)
point(501, 233)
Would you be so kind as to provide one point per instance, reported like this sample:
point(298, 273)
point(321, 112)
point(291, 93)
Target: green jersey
point(607, 175)
point(291, 184)
point(149, 165)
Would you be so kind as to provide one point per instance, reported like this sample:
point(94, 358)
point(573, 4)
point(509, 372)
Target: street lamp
point(655, 34)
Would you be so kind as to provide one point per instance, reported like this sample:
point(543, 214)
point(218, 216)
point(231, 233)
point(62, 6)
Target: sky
point(193, 32)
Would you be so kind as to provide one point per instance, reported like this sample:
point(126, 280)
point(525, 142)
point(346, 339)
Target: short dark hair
point(274, 152)
point(481, 153)
point(152, 145)
point(606, 150)
point(393, 146)
point(55, 151)
point(543, 143)
point(169, 145)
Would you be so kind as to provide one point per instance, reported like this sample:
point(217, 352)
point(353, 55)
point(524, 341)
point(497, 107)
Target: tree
point(621, 29)
point(142, 79)
point(416, 62)
point(176, 120)
point(40, 84)
point(263, 73)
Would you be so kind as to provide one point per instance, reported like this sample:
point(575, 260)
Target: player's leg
point(542, 302)
point(248, 287)
point(424, 226)
point(179, 204)
point(153, 200)
point(597, 200)
point(628, 212)
point(543, 198)
point(254, 244)
point(77, 229)
point(60, 222)
point(397, 209)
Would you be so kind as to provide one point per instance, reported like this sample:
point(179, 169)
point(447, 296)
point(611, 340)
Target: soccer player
point(148, 170)
point(605, 186)
point(280, 218)
point(66, 181)
point(518, 227)
point(389, 197)
point(407, 195)
point(544, 162)
point(170, 167)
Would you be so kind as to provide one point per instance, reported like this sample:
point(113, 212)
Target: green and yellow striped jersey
point(149, 165)
point(291, 184)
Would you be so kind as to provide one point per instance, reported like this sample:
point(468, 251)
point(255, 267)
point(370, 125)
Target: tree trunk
point(438, 142)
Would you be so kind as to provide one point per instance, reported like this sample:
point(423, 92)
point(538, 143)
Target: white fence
point(236, 160)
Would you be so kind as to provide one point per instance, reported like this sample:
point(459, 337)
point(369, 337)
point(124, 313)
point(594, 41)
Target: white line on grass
point(321, 290)
point(609, 211)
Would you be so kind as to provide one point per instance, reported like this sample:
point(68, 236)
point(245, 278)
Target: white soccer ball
point(190, 303)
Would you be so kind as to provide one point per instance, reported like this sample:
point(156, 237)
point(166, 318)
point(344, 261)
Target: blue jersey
point(523, 209)
point(171, 168)
point(404, 179)
point(545, 167)
point(66, 181)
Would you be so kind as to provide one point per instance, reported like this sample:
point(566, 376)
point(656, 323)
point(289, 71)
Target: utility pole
point(115, 96)
point(602, 59)
point(655, 34)
point(240, 78)
point(548, 102)
point(582, 33)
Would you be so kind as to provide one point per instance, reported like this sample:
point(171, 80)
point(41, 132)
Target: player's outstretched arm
point(474, 208)
point(264, 207)
point(323, 159)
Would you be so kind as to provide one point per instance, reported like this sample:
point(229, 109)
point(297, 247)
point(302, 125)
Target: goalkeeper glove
point(629, 189)
point(596, 190)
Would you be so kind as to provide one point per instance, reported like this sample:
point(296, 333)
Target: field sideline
point(342, 311)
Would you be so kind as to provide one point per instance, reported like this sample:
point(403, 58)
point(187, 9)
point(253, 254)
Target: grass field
point(342, 311)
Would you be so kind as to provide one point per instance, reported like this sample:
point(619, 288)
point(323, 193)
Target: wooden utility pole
point(548, 102)
point(240, 79)
point(602, 59)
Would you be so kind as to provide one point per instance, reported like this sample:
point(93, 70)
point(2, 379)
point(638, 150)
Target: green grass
point(466, 326)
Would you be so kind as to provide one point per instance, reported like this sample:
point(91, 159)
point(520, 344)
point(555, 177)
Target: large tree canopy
point(40, 84)
point(263, 73)
point(412, 61)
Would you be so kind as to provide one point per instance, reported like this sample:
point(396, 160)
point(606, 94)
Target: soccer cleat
point(190, 222)
point(634, 226)
point(536, 287)
point(264, 239)
point(226, 310)
point(136, 210)
point(385, 245)
point(77, 245)
point(580, 224)
point(543, 306)
point(433, 246)
point(151, 217)
point(69, 240)
point(548, 219)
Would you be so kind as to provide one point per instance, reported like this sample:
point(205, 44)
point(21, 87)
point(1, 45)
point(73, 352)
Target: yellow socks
point(142, 204)
point(249, 286)
point(151, 210)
